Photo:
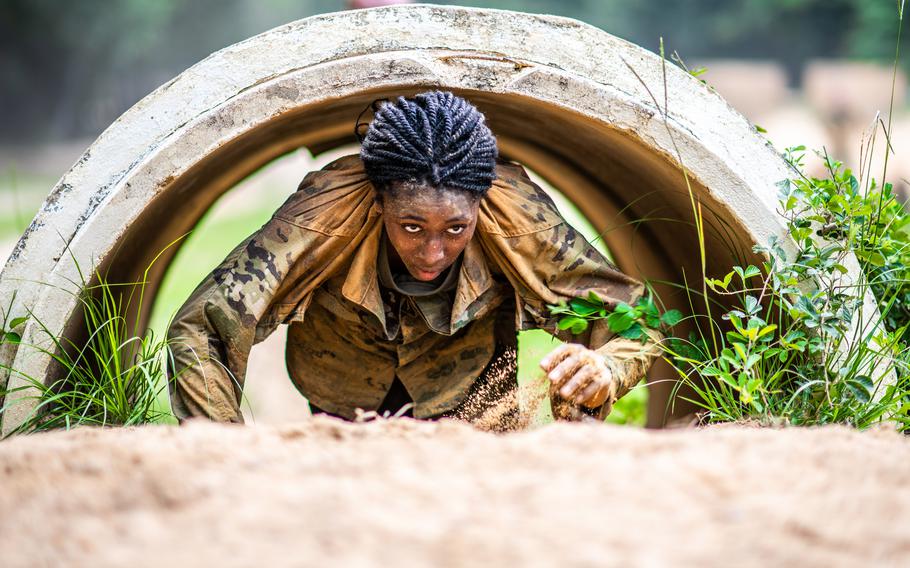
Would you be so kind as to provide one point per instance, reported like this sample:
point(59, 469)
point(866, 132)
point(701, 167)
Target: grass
point(114, 379)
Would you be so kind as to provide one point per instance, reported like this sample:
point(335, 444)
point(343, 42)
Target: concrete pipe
point(568, 100)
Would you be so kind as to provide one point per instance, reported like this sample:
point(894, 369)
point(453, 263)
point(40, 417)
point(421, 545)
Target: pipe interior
point(636, 198)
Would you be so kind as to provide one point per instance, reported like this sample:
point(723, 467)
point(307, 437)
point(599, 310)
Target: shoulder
point(542, 255)
point(336, 200)
point(515, 205)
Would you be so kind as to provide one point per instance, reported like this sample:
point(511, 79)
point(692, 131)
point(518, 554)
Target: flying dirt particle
point(500, 406)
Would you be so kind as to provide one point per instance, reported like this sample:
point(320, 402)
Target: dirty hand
point(580, 375)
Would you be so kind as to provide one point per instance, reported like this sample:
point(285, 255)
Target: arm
point(556, 263)
point(546, 261)
point(266, 280)
point(212, 334)
point(597, 367)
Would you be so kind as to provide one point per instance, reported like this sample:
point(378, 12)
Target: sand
point(409, 493)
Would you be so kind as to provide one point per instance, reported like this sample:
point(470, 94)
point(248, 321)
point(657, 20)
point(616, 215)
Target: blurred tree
point(790, 31)
point(875, 31)
point(56, 55)
point(69, 68)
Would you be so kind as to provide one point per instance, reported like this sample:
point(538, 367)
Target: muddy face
point(427, 227)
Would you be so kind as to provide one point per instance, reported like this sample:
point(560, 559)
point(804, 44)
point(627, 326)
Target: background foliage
point(70, 68)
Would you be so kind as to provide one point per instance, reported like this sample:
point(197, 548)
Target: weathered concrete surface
point(560, 95)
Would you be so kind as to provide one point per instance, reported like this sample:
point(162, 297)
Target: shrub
point(789, 352)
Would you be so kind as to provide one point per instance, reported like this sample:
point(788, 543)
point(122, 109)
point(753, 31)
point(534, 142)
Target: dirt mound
point(407, 493)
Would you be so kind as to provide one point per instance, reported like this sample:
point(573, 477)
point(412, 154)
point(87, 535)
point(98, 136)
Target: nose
point(432, 253)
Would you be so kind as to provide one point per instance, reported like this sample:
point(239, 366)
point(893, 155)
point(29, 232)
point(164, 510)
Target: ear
point(377, 200)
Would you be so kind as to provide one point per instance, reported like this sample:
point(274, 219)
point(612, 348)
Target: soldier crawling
point(404, 274)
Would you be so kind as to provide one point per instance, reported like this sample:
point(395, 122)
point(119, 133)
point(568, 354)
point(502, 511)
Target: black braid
point(435, 139)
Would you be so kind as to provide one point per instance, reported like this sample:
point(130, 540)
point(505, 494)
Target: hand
point(580, 375)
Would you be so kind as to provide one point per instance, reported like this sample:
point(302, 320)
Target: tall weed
point(115, 378)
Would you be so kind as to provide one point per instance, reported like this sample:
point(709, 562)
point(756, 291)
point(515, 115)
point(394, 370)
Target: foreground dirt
point(407, 493)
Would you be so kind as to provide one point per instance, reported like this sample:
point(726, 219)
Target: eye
point(456, 230)
point(411, 228)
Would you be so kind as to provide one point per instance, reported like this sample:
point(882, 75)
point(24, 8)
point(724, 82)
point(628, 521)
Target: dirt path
point(406, 493)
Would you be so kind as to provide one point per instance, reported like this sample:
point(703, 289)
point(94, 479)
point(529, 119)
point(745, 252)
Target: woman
point(404, 274)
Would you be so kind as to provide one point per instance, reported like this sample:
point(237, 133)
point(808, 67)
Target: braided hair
point(434, 139)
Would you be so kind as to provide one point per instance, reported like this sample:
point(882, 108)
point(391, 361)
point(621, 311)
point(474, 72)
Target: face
point(428, 227)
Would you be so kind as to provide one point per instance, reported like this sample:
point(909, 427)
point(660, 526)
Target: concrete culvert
point(568, 100)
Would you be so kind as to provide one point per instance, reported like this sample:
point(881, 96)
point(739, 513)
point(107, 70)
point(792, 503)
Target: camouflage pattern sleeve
point(547, 260)
point(267, 280)
point(213, 332)
point(575, 269)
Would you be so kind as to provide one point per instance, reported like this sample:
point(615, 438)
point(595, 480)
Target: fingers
point(577, 383)
point(578, 375)
point(594, 395)
point(556, 356)
point(564, 371)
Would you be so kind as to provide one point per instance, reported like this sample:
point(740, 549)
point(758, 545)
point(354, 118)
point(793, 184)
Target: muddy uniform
point(315, 266)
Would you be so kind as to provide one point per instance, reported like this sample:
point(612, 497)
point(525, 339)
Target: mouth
point(426, 275)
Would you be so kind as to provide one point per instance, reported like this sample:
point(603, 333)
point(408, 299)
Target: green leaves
point(631, 322)
point(573, 323)
point(578, 311)
point(744, 274)
point(787, 351)
point(584, 308)
point(622, 318)
point(635, 331)
point(7, 335)
point(861, 387)
point(721, 284)
point(671, 318)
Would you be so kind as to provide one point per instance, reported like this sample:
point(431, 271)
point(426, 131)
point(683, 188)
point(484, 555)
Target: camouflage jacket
point(314, 266)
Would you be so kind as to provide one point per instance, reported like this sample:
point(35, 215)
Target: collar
point(474, 281)
point(361, 285)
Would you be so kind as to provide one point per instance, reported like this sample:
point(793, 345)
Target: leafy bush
point(789, 353)
point(885, 253)
point(796, 346)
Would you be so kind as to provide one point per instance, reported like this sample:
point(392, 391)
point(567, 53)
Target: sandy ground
point(407, 493)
